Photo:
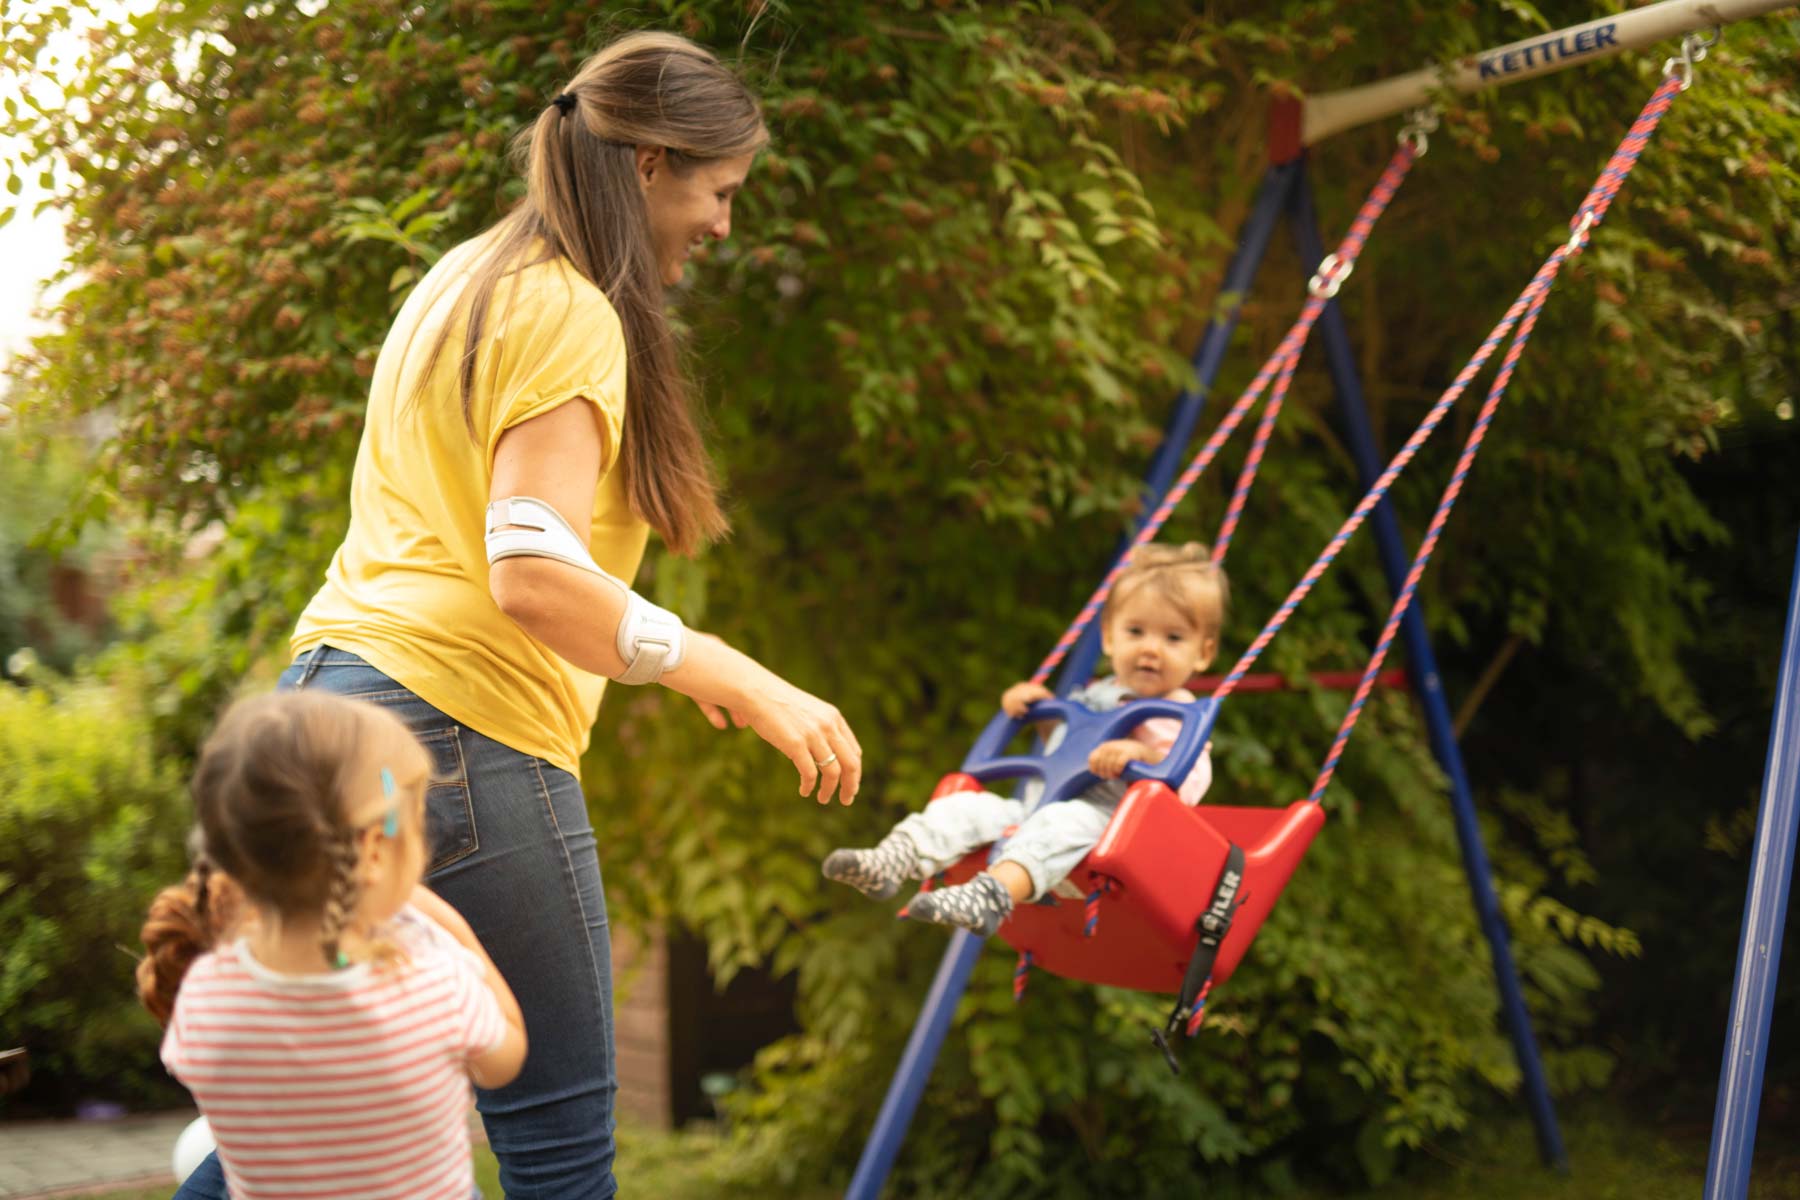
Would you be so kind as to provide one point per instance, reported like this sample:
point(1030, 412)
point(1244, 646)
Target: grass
point(1610, 1158)
point(669, 1166)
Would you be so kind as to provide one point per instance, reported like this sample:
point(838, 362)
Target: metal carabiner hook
point(1419, 123)
point(1693, 49)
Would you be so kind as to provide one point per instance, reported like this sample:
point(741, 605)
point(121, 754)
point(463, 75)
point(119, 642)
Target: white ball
point(192, 1147)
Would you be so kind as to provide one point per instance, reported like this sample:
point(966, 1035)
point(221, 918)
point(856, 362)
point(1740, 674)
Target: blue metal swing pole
point(947, 987)
point(1759, 947)
point(1422, 666)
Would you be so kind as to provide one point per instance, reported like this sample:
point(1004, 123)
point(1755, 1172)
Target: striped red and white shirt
point(348, 1083)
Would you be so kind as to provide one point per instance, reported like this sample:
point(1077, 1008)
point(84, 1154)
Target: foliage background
point(937, 352)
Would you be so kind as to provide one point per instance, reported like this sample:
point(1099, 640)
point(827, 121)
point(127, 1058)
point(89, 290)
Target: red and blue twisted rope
point(1524, 313)
point(1599, 198)
point(1285, 354)
point(1240, 495)
point(1592, 209)
point(1199, 1014)
point(1090, 924)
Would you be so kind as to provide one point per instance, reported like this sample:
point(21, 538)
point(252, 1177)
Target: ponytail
point(184, 922)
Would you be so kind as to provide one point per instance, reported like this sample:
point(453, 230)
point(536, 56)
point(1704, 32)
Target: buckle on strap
point(646, 666)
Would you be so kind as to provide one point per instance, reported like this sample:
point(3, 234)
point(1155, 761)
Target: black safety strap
point(1212, 927)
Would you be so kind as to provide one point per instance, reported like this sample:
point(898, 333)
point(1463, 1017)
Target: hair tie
point(565, 103)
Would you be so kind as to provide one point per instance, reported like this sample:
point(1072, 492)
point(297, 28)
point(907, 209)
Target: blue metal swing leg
point(1422, 666)
point(933, 1023)
point(1759, 947)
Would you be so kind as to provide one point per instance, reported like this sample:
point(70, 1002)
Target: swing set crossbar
point(1306, 122)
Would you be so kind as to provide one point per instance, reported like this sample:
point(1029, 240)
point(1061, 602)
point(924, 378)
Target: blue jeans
point(512, 850)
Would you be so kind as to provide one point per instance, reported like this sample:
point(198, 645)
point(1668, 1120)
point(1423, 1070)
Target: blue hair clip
point(390, 825)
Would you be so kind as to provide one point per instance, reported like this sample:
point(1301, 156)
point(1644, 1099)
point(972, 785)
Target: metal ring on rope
point(1328, 279)
point(1578, 238)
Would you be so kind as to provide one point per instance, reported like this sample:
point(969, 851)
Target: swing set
point(1174, 896)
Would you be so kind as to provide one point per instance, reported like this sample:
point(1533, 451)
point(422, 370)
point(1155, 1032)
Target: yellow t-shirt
point(408, 589)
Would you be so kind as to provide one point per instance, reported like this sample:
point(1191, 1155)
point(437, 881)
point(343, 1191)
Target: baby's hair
point(273, 791)
point(1185, 576)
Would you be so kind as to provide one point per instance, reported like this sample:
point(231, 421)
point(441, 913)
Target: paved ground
point(39, 1157)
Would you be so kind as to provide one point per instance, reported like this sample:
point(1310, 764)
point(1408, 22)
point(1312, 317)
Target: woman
point(527, 427)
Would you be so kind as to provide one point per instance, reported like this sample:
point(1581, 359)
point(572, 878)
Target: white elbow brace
point(651, 639)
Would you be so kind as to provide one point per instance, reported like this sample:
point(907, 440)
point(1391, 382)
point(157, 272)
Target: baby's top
point(1159, 733)
point(352, 1082)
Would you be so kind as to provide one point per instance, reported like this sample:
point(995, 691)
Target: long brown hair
point(583, 204)
point(272, 792)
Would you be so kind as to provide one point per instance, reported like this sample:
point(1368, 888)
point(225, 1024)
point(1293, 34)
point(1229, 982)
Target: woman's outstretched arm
point(556, 458)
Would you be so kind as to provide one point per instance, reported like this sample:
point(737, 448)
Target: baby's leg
point(1052, 842)
point(924, 843)
point(947, 829)
point(1047, 847)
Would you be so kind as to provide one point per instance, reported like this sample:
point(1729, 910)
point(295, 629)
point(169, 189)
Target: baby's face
point(1154, 646)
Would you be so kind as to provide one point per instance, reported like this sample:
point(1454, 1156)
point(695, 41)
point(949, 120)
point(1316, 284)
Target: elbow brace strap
point(651, 640)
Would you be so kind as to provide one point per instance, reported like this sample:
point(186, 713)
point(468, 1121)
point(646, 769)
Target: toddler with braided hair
point(1160, 624)
point(327, 1012)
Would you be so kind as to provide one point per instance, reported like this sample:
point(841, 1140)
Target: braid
point(340, 899)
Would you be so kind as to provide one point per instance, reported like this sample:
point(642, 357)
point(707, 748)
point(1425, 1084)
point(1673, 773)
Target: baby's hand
point(1021, 696)
point(441, 912)
point(1109, 758)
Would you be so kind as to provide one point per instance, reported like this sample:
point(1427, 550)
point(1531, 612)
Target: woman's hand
point(813, 734)
point(1108, 759)
point(1021, 696)
point(729, 685)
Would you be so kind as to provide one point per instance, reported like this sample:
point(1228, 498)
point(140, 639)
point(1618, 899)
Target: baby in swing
point(1160, 625)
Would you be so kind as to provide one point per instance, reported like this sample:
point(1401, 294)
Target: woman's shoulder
point(542, 284)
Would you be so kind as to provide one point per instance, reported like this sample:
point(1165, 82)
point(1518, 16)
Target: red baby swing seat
point(1157, 867)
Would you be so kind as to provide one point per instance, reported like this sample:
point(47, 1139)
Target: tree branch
point(1490, 675)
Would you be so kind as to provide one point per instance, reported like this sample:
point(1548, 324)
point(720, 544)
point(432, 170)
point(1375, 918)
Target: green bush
point(41, 474)
point(91, 824)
